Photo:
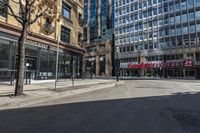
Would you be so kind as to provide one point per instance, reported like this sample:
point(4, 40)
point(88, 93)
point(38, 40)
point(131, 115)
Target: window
point(198, 27)
point(185, 30)
point(190, 3)
point(198, 2)
point(66, 11)
point(65, 34)
point(197, 14)
point(178, 19)
point(184, 17)
point(2, 10)
point(191, 16)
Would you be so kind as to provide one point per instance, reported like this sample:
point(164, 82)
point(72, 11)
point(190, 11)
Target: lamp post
point(117, 51)
point(57, 52)
point(48, 49)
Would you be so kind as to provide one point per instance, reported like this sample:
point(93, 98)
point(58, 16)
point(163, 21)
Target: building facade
point(98, 32)
point(42, 40)
point(158, 38)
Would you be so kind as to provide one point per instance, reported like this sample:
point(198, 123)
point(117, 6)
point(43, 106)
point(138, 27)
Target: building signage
point(41, 45)
point(188, 63)
point(160, 64)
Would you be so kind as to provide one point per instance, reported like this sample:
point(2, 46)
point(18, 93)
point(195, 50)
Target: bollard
point(73, 78)
point(11, 79)
point(30, 77)
point(26, 75)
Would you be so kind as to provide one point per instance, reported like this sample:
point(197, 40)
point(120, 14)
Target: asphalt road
point(135, 107)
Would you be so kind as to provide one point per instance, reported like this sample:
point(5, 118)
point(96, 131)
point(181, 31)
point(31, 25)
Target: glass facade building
point(105, 32)
point(155, 32)
point(99, 46)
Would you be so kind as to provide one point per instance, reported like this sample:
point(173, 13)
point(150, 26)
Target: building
point(98, 32)
point(158, 38)
point(42, 40)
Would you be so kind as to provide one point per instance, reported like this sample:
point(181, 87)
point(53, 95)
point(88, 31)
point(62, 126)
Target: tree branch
point(41, 14)
point(11, 13)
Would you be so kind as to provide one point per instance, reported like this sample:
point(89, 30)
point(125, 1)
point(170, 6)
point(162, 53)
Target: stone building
point(42, 40)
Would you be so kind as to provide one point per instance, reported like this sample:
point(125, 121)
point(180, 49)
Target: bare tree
point(29, 12)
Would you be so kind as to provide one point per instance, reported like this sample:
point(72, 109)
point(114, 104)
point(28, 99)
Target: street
point(138, 106)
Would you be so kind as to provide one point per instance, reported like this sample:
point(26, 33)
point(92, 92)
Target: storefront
point(40, 59)
point(186, 68)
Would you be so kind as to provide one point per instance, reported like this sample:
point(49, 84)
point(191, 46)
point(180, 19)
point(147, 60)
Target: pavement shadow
point(177, 113)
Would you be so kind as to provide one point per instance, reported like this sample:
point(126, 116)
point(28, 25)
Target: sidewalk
point(40, 91)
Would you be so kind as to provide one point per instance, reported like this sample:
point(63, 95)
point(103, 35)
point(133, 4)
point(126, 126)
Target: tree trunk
point(21, 59)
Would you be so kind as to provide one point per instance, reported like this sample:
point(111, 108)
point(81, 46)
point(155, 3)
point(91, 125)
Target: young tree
point(29, 12)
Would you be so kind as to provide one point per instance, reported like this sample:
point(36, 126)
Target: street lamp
point(117, 51)
point(48, 49)
point(57, 55)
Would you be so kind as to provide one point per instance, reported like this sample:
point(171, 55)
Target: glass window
point(184, 17)
point(65, 34)
point(191, 16)
point(149, 2)
point(178, 31)
point(183, 5)
point(66, 11)
point(185, 30)
point(178, 19)
point(197, 14)
point(4, 54)
point(192, 28)
point(160, 10)
point(178, 6)
point(197, 2)
point(190, 3)
point(2, 10)
point(171, 8)
point(198, 27)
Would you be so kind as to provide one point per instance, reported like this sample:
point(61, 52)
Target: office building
point(158, 38)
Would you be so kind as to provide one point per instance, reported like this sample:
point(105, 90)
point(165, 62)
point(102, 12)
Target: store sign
point(161, 64)
point(188, 63)
point(41, 45)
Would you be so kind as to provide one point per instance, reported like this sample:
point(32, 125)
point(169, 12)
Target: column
point(97, 60)
point(108, 53)
point(184, 72)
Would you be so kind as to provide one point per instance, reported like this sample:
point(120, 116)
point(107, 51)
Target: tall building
point(98, 31)
point(158, 38)
point(41, 42)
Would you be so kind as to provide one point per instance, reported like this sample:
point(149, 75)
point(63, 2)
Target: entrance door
point(31, 64)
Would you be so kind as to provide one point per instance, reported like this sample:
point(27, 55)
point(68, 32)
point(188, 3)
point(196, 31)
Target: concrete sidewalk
point(40, 91)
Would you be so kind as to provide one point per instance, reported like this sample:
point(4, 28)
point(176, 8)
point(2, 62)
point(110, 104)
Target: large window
point(66, 11)
point(65, 34)
point(4, 54)
point(2, 10)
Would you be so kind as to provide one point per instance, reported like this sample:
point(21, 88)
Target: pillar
point(97, 60)
point(108, 53)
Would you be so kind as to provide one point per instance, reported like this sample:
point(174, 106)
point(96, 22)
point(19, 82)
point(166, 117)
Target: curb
point(57, 95)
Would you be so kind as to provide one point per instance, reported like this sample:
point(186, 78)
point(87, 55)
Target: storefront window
point(4, 54)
